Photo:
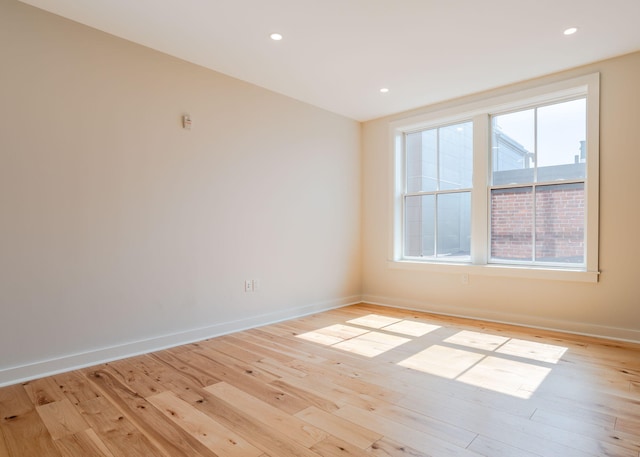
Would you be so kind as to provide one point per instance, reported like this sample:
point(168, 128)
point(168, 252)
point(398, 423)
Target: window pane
point(454, 225)
point(429, 160)
point(428, 225)
point(414, 161)
point(419, 226)
point(512, 145)
point(561, 141)
point(512, 224)
point(421, 161)
point(560, 223)
point(456, 156)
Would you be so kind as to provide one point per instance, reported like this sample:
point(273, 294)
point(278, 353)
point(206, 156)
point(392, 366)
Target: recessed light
point(570, 31)
point(275, 36)
point(384, 90)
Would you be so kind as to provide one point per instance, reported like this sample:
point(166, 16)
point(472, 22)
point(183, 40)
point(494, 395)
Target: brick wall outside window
point(559, 223)
point(511, 223)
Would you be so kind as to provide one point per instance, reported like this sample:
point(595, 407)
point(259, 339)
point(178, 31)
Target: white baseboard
point(578, 328)
point(15, 375)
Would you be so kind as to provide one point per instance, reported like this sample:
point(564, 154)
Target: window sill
point(508, 271)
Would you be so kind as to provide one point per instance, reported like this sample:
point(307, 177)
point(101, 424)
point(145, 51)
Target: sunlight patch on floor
point(442, 361)
point(497, 371)
point(477, 340)
point(532, 350)
point(320, 338)
point(365, 341)
point(333, 334)
point(374, 321)
point(518, 379)
point(371, 344)
point(411, 328)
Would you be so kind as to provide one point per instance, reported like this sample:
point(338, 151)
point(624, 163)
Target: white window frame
point(480, 112)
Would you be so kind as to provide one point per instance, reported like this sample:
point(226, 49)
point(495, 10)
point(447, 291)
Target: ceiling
point(338, 54)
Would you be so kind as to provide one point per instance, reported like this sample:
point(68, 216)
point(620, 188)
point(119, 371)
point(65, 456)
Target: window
point(538, 158)
point(508, 183)
point(439, 168)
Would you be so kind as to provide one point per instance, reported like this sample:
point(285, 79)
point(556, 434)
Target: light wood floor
point(357, 381)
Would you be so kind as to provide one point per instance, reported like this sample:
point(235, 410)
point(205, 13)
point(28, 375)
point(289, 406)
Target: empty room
point(300, 228)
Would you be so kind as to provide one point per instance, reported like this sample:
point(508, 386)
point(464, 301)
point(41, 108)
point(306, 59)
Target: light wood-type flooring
point(357, 381)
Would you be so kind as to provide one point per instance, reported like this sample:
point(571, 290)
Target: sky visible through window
point(561, 127)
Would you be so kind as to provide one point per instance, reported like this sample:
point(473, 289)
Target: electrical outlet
point(255, 285)
point(464, 278)
point(248, 285)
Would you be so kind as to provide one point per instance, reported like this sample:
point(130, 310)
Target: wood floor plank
point(605, 433)
point(120, 436)
point(246, 343)
point(137, 381)
point(588, 423)
point(43, 391)
point(335, 447)
point(25, 434)
point(301, 432)
point(278, 369)
point(307, 396)
point(427, 422)
point(61, 418)
point(14, 402)
point(355, 434)
point(23, 431)
point(271, 441)
point(329, 396)
point(212, 434)
point(336, 389)
point(83, 444)
point(263, 337)
point(248, 380)
point(629, 426)
point(389, 448)
point(592, 399)
point(353, 379)
point(202, 358)
point(403, 434)
point(200, 377)
point(4, 451)
point(224, 346)
point(76, 387)
point(169, 378)
point(487, 446)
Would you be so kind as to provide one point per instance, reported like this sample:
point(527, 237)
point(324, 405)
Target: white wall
point(608, 308)
point(121, 232)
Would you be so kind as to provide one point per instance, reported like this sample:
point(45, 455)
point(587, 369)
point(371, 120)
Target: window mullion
point(480, 242)
point(533, 225)
point(435, 226)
